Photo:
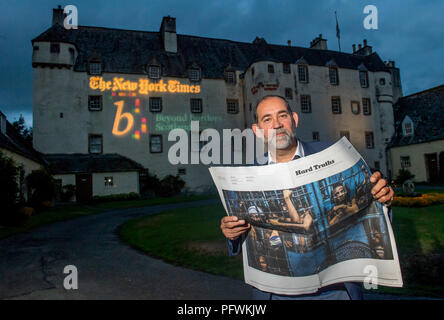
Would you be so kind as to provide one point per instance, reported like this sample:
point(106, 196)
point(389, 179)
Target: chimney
point(319, 43)
point(58, 15)
point(354, 48)
point(168, 34)
point(364, 50)
point(289, 42)
point(359, 47)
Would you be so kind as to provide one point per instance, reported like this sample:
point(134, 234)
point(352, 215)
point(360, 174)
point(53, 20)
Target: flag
point(338, 34)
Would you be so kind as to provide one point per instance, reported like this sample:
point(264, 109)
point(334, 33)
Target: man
point(274, 116)
point(344, 207)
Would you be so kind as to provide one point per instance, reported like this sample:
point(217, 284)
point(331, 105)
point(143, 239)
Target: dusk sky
point(409, 32)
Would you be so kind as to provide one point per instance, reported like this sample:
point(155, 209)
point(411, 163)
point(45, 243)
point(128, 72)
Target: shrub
point(403, 176)
point(68, 191)
point(8, 187)
point(170, 186)
point(42, 185)
point(421, 201)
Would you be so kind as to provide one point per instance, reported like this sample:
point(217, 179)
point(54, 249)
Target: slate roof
point(14, 142)
point(128, 51)
point(426, 109)
point(89, 163)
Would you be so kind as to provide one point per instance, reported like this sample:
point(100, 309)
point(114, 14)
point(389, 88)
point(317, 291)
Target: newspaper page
point(314, 222)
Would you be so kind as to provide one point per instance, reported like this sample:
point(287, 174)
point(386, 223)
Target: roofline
point(421, 92)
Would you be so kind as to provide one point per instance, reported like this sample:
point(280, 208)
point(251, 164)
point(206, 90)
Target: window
point(305, 104)
point(155, 104)
point(252, 71)
point(270, 68)
point(366, 106)
point(369, 140)
point(155, 143)
point(181, 171)
point(408, 128)
point(382, 81)
point(109, 181)
point(36, 48)
point(232, 106)
point(72, 54)
point(95, 103)
point(196, 105)
point(315, 136)
point(286, 68)
point(363, 78)
point(61, 115)
point(95, 143)
point(377, 166)
point(154, 72)
point(336, 105)
point(355, 108)
point(55, 48)
point(95, 68)
point(194, 74)
point(230, 77)
point(333, 74)
point(288, 93)
point(345, 134)
point(405, 162)
point(303, 73)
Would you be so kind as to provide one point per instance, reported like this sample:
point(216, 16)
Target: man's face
point(274, 118)
point(339, 194)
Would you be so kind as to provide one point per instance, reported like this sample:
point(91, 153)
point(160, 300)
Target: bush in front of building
point(68, 192)
point(170, 186)
point(42, 187)
point(8, 188)
point(403, 176)
point(117, 197)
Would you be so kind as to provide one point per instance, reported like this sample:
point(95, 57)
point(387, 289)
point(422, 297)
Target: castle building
point(101, 91)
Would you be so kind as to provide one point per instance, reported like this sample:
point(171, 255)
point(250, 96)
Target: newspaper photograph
point(313, 220)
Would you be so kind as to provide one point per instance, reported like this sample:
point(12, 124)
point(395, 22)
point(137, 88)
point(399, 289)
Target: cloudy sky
point(409, 32)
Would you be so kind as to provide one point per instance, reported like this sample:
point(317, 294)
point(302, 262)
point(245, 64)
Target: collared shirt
point(299, 153)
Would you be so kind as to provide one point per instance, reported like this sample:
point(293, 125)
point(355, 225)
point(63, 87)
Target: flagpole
point(338, 35)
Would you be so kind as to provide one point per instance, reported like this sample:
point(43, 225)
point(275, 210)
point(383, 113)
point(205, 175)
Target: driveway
point(32, 264)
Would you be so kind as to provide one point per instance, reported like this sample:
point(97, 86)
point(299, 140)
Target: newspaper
point(314, 222)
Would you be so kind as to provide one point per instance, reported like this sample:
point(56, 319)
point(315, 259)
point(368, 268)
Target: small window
point(377, 166)
point(232, 106)
point(369, 140)
point(61, 115)
point(155, 104)
point(181, 171)
point(95, 103)
point(363, 78)
point(315, 136)
point(155, 143)
point(36, 48)
point(95, 143)
point(305, 104)
point(55, 48)
point(303, 73)
point(270, 68)
point(154, 72)
point(194, 74)
point(286, 68)
point(333, 74)
point(405, 162)
point(355, 108)
point(196, 105)
point(288, 93)
point(366, 106)
point(72, 54)
point(252, 71)
point(109, 181)
point(336, 105)
point(230, 77)
point(345, 134)
point(382, 81)
point(408, 129)
point(95, 68)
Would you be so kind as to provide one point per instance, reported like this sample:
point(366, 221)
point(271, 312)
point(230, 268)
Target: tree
point(8, 185)
point(21, 128)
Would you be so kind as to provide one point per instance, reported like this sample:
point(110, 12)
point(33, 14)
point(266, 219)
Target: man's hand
point(232, 227)
point(381, 191)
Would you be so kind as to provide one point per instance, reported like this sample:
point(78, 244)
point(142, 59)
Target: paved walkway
point(32, 264)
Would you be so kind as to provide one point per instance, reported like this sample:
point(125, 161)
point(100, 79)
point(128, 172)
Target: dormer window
point(230, 77)
point(303, 73)
point(194, 74)
point(363, 79)
point(333, 74)
point(407, 126)
point(154, 72)
point(95, 68)
point(270, 68)
point(286, 68)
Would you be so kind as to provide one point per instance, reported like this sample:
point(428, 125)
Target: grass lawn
point(66, 212)
point(192, 238)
